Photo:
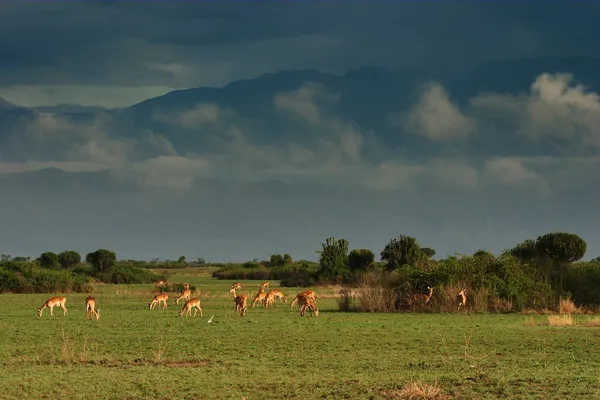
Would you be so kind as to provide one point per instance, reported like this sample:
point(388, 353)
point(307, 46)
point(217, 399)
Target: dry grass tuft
point(417, 390)
point(560, 320)
point(566, 306)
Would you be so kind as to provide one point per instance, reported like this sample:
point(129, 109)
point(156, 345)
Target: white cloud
point(306, 102)
point(435, 117)
point(554, 108)
point(174, 172)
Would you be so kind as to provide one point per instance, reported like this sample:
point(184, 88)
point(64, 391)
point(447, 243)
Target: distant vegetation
point(534, 274)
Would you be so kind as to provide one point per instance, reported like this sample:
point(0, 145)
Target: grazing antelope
point(193, 303)
point(308, 293)
point(272, 296)
point(305, 302)
point(90, 309)
point(57, 301)
point(279, 295)
point(260, 296)
point(421, 297)
point(461, 298)
point(161, 297)
point(186, 294)
point(240, 300)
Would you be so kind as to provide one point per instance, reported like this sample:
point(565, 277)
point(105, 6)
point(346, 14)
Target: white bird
point(211, 319)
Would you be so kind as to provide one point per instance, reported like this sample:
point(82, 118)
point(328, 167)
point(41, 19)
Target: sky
point(238, 177)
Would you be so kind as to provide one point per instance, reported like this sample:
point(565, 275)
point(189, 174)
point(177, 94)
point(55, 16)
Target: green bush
point(127, 274)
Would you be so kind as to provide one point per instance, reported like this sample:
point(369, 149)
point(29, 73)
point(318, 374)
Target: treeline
point(534, 274)
point(291, 274)
point(67, 272)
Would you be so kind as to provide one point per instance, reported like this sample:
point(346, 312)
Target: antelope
point(57, 301)
point(193, 303)
point(272, 295)
point(240, 300)
point(417, 297)
point(186, 294)
point(308, 293)
point(279, 295)
point(186, 286)
point(260, 296)
point(461, 298)
point(269, 299)
point(90, 309)
point(305, 301)
point(161, 297)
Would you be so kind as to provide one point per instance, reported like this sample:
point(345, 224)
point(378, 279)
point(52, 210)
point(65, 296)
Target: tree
point(361, 259)
point(525, 252)
point(181, 260)
point(101, 259)
point(333, 258)
point(276, 260)
point(287, 259)
point(200, 261)
point(69, 258)
point(428, 251)
point(560, 249)
point(403, 250)
point(596, 259)
point(48, 260)
point(5, 257)
point(483, 254)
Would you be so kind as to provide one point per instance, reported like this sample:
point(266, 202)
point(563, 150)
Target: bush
point(23, 277)
point(582, 281)
point(126, 274)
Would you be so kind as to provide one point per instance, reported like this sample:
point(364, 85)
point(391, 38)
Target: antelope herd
point(305, 301)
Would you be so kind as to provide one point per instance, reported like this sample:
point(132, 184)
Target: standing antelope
point(304, 301)
point(240, 300)
point(260, 296)
point(161, 297)
point(421, 297)
point(90, 309)
point(308, 293)
point(193, 303)
point(461, 298)
point(57, 301)
point(186, 294)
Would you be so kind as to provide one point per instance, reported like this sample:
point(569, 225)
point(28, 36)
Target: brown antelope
point(187, 308)
point(421, 297)
point(305, 302)
point(161, 297)
point(260, 296)
point(271, 296)
point(186, 294)
point(240, 300)
point(90, 309)
point(308, 293)
point(461, 298)
point(279, 295)
point(186, 285)
point(57, 301)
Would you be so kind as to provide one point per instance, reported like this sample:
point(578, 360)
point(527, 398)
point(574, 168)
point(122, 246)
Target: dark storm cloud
point(114, 42)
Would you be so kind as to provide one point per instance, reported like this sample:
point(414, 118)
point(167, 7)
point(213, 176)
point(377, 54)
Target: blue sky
point(460, 159)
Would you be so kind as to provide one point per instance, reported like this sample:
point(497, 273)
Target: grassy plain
point(133, 352)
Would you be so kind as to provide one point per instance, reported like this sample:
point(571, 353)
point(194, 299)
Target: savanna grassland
point(133, 352)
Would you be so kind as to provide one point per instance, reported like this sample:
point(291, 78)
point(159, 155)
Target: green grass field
point(132, 352)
